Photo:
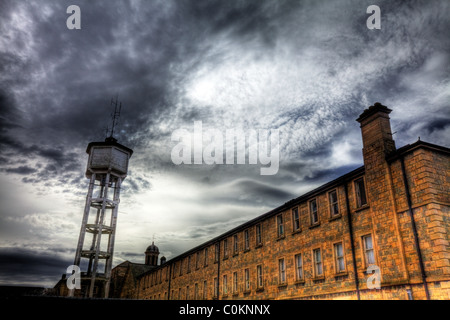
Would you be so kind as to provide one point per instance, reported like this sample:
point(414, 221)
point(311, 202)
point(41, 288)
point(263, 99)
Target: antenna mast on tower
point(115, 115)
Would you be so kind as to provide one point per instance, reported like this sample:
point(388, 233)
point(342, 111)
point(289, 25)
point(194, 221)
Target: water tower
point(106, 169)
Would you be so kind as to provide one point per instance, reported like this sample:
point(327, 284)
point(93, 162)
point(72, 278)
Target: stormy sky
point(305, 68)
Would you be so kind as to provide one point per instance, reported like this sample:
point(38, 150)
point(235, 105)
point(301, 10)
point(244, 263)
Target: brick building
point(390, 216)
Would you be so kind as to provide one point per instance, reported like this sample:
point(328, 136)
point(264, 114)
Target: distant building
point(390, 216)
point(124, 278)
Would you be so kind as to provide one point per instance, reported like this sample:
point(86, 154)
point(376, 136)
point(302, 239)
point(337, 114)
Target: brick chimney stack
point(376, 130)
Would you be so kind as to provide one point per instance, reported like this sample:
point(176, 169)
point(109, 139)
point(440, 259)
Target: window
point(281, 271)
point(259, 276)
point(295, 219)
point(360, 190)
point(225, 248)
point(246, 240)
point(196, 291)
point(181, 267)
point(258, 234)
point(216, 256)
point(206, 257)
point(318, 267)
point(225, 285)
point(280, 226)
point(247, 279)
point(197, 260)
point(333, 199)
point(179, 293)
point(313, 211)
point(205, 290)
point(189, 264)
point(299, 267)
point(187, 293)
point(339, 257)
point(236, 244)
point(216, 287)
point(369, 257)
point(235, 282)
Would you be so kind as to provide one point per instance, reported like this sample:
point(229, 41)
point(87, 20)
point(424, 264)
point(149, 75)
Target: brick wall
point(385, 218)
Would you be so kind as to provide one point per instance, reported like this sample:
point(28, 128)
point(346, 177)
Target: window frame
point(317, 276)
point(246, 240)
point(364, 250)
point(259, 276)
point(282, 273)
point(300, 278)
point(196, 291)
point(280, 231)
point(205, 262)
point(197, 260)
point(258, 237)
point(357, 192)
point(247, 283)
point(294, 220)
point(205, 289)
point(235, 244)
point(216, 252)
point(225, 248)
point(225, 285)
point(336, 257)
point(235, 285)
point(330, 204)
point(311, 212)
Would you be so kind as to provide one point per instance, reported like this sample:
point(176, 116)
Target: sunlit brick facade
point(320, 245)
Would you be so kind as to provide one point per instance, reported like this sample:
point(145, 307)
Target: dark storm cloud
point(31, 266)
point(24, 170)
point(254, 192)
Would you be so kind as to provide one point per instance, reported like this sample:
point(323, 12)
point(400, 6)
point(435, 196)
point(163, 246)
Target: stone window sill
point(341, 274)
point(366, 206)
point(315, 225)
point(336, 217)
point(296, 232)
